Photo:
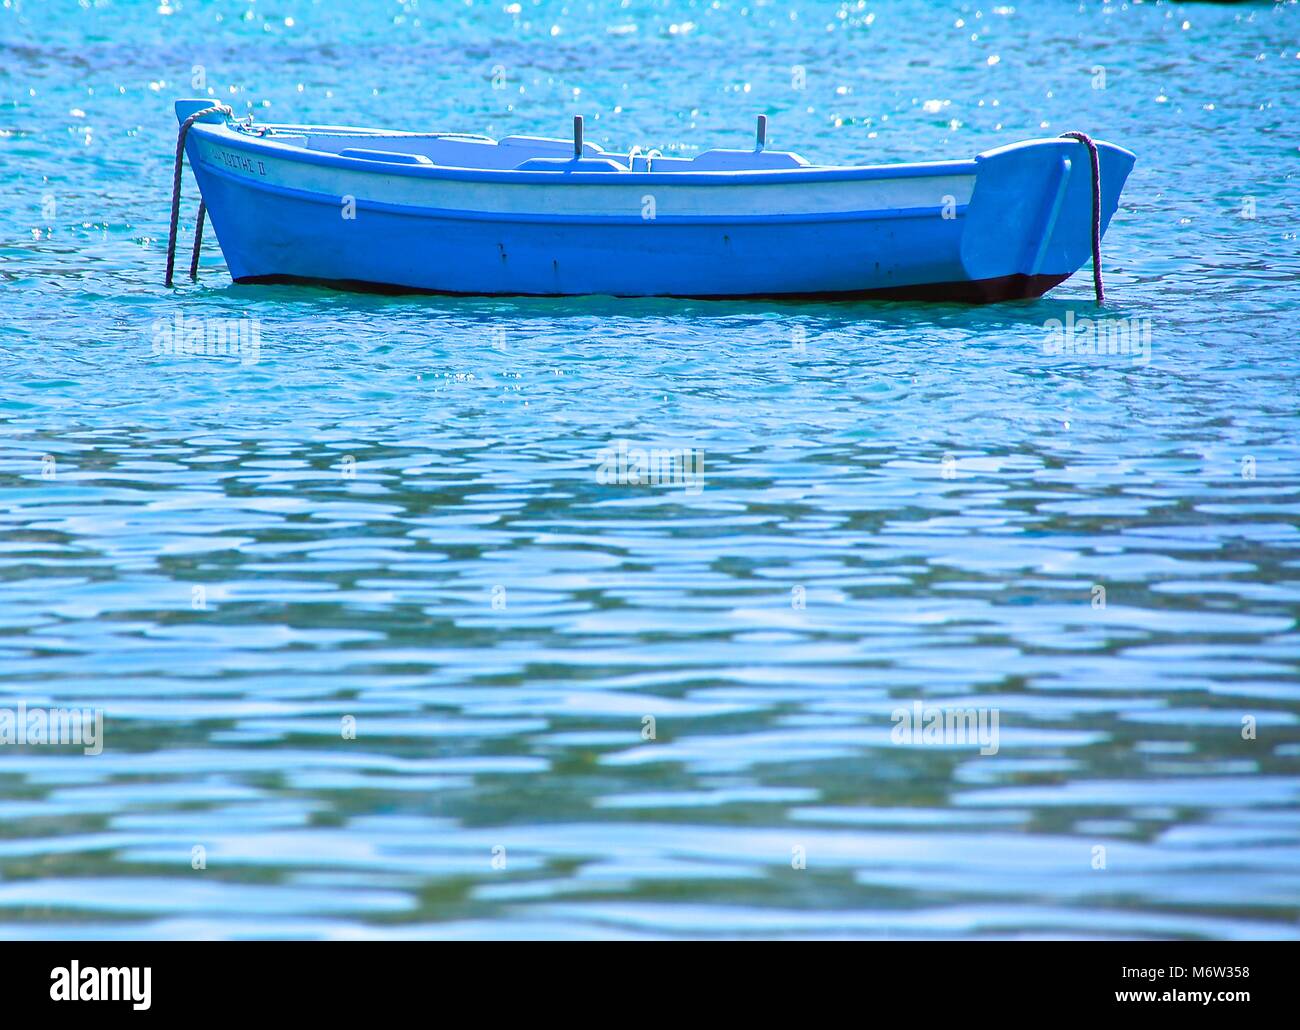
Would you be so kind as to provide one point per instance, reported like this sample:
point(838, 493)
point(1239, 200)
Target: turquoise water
point(389, 511)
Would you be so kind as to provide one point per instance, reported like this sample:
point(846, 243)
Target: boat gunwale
point(225, 135)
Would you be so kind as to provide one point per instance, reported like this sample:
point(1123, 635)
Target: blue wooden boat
point(457, 213)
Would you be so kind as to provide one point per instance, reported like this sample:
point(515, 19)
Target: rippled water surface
point(389, 516)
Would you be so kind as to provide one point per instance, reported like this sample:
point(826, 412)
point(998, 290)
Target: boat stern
point(1030, 216)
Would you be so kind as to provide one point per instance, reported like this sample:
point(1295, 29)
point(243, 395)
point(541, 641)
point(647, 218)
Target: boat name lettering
point(241, 163)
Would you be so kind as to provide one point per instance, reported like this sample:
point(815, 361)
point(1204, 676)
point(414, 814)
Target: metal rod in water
point(577, 135)
point(762, 132)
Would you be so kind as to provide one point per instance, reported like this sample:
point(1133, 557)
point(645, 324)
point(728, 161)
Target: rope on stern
point(1093, 157)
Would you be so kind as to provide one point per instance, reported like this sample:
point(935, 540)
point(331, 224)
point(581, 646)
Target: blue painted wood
point(463, 214)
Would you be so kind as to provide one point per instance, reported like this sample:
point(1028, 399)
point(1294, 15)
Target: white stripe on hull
point(623, 197)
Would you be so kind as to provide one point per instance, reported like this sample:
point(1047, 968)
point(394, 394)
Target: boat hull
point(1011, 223)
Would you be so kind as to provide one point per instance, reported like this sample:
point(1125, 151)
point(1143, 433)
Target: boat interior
point(524, 153)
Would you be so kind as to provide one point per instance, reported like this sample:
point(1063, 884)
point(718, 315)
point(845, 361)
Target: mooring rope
point(198, 239)
point(176, 194)
point(1086, 140)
